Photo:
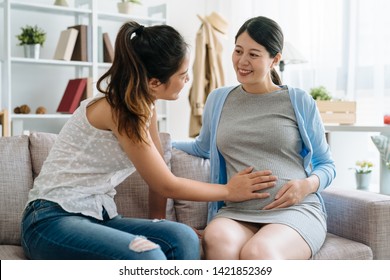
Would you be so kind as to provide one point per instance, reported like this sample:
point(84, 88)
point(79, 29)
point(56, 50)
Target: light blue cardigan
point(316, 154)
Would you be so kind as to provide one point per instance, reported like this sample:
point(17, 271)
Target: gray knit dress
point(261, 130)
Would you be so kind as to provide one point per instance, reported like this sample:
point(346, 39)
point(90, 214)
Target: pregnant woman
point(264, 124)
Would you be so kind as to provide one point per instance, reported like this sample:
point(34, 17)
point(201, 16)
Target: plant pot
point(61, 3)
point(125, 7)
point(363, 180)
point(32, 51)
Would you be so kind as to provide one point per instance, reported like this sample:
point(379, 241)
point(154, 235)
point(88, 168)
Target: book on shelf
point(83, 44)
point(66, 44)
point(108, 50)
point(88, 91)
point(72, 96)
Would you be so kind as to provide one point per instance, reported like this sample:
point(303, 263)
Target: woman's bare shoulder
point(99, 114)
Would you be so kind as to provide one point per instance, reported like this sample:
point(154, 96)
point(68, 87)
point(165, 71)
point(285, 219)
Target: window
point(346, 43)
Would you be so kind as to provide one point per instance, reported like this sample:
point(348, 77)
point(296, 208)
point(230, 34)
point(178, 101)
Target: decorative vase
point(363, 180)
point(32, 51)
point(125, 7)
point(61, 3)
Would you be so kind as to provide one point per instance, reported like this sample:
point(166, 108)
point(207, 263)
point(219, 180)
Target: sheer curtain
point(368, 68)
point(346, 44)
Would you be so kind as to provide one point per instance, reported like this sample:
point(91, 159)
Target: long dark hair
point(267, 33)
point(141, 53)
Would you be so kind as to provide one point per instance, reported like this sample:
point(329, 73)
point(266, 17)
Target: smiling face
point(171, 89)
point(253, 64)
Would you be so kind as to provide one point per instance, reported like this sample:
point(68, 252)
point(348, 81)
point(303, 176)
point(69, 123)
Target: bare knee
point(213, 239)
point(276, 242)
point(215, 248)
point(141, 244)
point(218, 243)
point(259, 251)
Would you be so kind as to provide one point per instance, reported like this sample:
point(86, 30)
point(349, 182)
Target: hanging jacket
point(207, 71)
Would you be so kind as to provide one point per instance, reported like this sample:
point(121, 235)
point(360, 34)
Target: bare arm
point(155, 172)
point(151, 166)
point(157, 202)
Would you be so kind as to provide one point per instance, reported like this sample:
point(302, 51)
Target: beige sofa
point(358, 222)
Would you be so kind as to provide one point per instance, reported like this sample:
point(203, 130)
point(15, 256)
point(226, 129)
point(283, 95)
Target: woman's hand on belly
point(293, 192)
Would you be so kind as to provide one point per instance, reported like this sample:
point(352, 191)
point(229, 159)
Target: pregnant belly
point(257, 204)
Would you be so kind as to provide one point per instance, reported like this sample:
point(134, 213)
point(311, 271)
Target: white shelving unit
point(41, 82)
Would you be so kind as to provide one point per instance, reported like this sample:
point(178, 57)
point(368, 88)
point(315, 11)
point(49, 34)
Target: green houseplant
point(32, 38)
point(31, 35)
point(127, 6)
point(320, 93)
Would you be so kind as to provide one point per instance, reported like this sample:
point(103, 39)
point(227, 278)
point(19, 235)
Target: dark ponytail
point(275, 77)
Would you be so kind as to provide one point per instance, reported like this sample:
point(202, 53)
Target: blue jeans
point(49, 232)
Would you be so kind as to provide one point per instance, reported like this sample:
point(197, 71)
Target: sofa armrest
point(360, 216)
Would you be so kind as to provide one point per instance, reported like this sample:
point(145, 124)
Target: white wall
point(183, 16)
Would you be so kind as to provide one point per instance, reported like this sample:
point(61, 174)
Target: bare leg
point(276, 241)
point(224, 238)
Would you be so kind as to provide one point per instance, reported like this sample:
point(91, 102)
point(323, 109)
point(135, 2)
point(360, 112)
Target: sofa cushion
point(132, 194)
point(339, 248)
point(40, 145)
point(195, 168)
point(16, 181)
point(12, 252)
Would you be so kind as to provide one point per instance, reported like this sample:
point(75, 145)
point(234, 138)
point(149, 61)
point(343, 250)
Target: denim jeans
point(49, 232)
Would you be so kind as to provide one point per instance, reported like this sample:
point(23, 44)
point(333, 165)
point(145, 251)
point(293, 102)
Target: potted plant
point(127, 6)
point(363, 170)
point(32, 38)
